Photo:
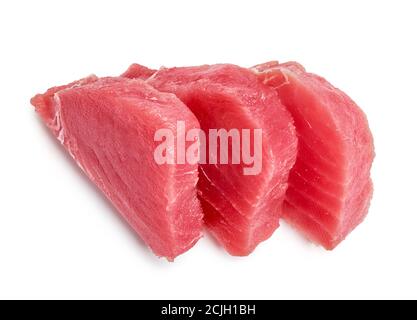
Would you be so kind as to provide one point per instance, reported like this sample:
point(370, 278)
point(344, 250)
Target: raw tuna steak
point(137, 71)
point(240, 210)
point(329, 187)
point(108, 127)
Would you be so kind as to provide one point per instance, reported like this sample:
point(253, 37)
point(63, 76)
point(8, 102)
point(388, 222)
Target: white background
point(59, 238)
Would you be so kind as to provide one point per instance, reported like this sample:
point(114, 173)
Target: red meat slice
point(108, 127)
point(329, 187)
point(137, 71)
point(240, 210)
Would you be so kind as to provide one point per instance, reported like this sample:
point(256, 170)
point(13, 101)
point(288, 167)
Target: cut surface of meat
point(330, 188)
point(108, 127)
point(137, 71)
point(240, 210)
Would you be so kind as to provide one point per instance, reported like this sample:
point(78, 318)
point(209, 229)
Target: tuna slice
point(108, 127)
point(240, 210)
point(137, 71)
point(329, 187)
